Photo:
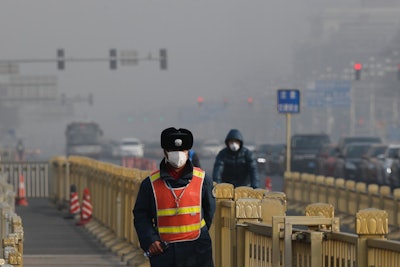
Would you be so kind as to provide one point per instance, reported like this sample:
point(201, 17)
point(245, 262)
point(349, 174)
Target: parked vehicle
point(304, 149)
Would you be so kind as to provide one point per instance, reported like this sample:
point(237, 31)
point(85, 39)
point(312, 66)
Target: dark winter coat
point(187, 253)
point(236, 167)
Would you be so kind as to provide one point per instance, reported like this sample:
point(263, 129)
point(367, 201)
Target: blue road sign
point(329, 93)
point(288, 100)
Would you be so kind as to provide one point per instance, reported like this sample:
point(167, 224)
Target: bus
point(84, 139)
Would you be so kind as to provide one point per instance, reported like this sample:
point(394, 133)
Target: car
point(345, 140)
point(388, 158)
point(349, 160)
point(130, 147)
point(270, 158)
point(210, 148)
point(304, 149)
point(371, 166)
point(394, 177)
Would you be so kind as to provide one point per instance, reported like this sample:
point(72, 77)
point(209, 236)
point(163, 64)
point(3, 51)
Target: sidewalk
point(51, 240)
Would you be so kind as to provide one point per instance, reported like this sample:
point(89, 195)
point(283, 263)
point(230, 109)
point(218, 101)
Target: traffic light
point(250, 101)
point(200, 101)
point(357, 70)
point(60, 59)
point(163, 59)
point(113, 59)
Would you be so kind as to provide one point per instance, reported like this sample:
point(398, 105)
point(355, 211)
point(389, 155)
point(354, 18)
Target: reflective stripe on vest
point(179, 218)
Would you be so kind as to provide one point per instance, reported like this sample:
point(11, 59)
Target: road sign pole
point(288, 144)
point(288, 103)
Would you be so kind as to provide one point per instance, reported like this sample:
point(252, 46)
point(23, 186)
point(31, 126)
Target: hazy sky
point(215, 48)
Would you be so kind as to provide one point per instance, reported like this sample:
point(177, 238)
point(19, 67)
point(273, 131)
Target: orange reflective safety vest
point(178, 209)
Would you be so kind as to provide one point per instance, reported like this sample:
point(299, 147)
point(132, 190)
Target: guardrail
point(346, 196)
point(251, 227)
point(12, 234)
point(36, 176)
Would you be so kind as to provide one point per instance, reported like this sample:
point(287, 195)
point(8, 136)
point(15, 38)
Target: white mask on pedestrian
point(234, 146)
point(177, 158)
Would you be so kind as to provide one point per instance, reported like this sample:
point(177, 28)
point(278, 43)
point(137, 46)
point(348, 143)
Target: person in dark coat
point(235, 164)
point(172, 198)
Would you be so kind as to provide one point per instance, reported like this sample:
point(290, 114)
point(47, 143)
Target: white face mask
point(177, 158)
point(234, 146)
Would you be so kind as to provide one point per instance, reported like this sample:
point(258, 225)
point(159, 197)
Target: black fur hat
point(176, 139)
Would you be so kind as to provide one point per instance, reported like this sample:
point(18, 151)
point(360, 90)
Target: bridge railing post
point(370, 223)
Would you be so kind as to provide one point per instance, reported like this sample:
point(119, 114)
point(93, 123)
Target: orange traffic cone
point(21, 198)
point(74, 207)
point(86, 211)
point(268, 183)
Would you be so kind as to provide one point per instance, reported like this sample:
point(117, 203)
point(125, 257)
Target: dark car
point(394, 175)
point(270, 158)
point(348, 162)
point(345, 140)
point(390, 157)
point(304, 150)
point(371, 166)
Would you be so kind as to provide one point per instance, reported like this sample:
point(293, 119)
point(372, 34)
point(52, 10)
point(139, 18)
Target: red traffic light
point(250, 100)
point(357, 66)
point(200, 101)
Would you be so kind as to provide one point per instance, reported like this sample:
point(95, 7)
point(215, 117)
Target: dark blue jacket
point(236, 167)
point(145, 222)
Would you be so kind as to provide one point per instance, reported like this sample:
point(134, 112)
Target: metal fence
point(251, 227)
point(35, 176)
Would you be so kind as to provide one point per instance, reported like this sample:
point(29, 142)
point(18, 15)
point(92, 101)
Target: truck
point(84, 139)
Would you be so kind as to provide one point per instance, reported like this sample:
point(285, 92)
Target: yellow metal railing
point(12, 234)
point(250, 226)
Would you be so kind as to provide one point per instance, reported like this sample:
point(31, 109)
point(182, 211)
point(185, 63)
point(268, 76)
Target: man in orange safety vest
point(175, 207)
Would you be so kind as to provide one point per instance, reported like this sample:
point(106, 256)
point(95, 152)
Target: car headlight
point(261, 160)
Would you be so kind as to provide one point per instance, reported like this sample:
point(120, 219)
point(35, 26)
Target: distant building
point(340, 36)
point(380, 3)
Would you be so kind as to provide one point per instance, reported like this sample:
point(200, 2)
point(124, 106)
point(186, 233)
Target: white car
point(132, 147)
